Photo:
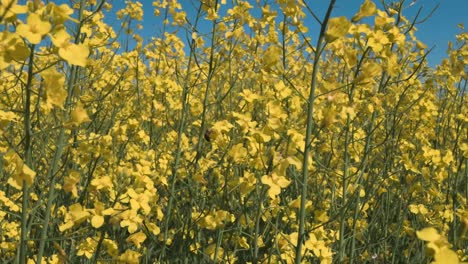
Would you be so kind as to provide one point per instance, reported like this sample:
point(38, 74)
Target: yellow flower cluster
point(236, 133)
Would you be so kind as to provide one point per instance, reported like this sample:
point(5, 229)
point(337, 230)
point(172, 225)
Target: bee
point(208, 134)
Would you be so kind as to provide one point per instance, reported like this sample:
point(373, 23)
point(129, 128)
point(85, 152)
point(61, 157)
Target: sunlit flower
point(35, 28)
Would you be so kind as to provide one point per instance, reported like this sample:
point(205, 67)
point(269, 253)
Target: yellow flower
point(76, 214)
point(8, 203)
point(377, 40)
point(418, 209)
point(75, 54)
point(271, 56)
point(35, 29)
point(216, 219)
point(317, 246)
point(78, 116)
point(139, 201)
point(446, 256)
point(137, 239)
point(111, 247)
point(383, 21)
point(213, 250)
point(249, 96)
point(21, 173)
point(153, 228)
point(130, 257)
point(367, 9)
point(6, 118)
point(337, 28)
point(131, 220)
point(54, 88)
point(99, 212)
point(238, 153)
point(12, 48)
point(9, 9)
point(87, 248)
point(61, 13)
point(242, 242)
point(439, 245)
point(276, 183)
point(70, 182)
point(104, 182)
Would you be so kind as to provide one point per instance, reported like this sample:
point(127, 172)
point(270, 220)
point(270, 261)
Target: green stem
point(206, 96)
point(178, 151)
point(53, 170)
point(342, 248)
point(27, 158)
point(309, 128)
point(60, 143)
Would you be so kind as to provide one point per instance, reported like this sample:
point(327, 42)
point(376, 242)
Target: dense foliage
point(234, 135)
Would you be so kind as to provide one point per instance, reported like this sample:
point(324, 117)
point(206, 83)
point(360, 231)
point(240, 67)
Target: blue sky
point(441, 27)
point(435, 32)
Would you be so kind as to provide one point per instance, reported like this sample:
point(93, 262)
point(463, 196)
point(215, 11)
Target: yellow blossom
point(276, 182)
point(54, 84)
point(368, 8)
point(337, 28)
point(97, 220)
point(70, 183)
point(139, 200)
point(12, 48)
point(87, 248)
point(9, 9)
point(75, 54)
point(20, 172)
point(61, 13)
point(76, 214)
point(78, 115)
point(136, 239)
point(130, 257)
point(131, 220)
point(35, 29)
point(6, 118)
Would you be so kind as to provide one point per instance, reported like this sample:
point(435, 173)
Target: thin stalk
point(178, 152)
point(207, 91)
point(218, 244)
point(27, 157)
point(342, 244)
point(364, 162)
point(99, 246)
point(367, 150)
point(60, 143)
point(258, 216)
point(309, 129)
